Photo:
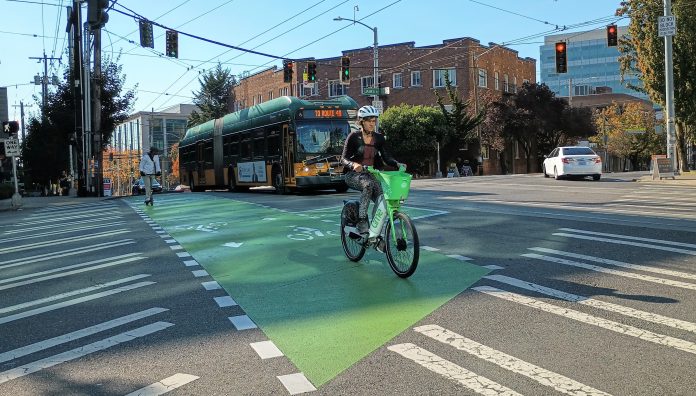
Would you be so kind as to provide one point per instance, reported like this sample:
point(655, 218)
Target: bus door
point(288, 155)
point(200, 164)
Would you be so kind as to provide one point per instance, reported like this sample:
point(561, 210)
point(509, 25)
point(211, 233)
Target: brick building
point(411, 73)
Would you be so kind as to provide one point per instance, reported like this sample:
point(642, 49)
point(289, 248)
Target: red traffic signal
point(612, 36)
point(561, 58)
point(287, 71)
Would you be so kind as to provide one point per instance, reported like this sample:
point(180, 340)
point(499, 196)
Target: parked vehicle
point(573, 161)
point(139, 187)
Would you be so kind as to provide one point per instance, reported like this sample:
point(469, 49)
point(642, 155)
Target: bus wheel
point(278, 183)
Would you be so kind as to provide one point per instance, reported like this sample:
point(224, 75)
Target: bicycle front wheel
point(402, 251)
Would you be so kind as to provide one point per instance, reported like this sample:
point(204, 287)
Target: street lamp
point(375, 97)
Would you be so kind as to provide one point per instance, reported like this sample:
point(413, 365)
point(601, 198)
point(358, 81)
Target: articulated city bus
point(287, 143)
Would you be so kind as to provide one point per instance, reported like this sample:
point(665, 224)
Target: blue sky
point(31, 28)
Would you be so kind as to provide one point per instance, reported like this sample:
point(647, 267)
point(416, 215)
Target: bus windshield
point(321, 137)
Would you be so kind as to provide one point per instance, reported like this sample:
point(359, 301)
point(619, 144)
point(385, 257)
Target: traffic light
point(96, 13)
point(287, 71)
point(612, 36)
point(311, 71)
point(14, 128)
point(147, 38)
point(345, 70)
point(172, 43)
point(561, 58)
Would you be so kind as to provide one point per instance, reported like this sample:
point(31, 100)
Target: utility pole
point(74, 30)
point(21, 114)
point(669, 94)
point(44, 81)
point(96, 120)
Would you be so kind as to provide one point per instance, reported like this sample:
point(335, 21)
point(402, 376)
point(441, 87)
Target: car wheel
point(555, 173)
point(543, 168)
point(596, 177)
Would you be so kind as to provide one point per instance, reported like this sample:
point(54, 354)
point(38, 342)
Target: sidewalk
point(43, 202)
point(685, 179)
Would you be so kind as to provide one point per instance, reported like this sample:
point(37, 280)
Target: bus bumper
point(320, 181)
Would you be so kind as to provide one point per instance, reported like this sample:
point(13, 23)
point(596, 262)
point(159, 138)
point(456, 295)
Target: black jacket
point(354, 148)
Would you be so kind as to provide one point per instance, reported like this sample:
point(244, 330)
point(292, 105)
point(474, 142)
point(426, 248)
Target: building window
point(517, 150)
point(310, 89)
point(416, 78)
point(514, 84)
point(398, 81)
point(336, 88)
point(484, 152)
point(253, 103)
point(439, 77)
point(270, 95)
point(506, 83)
point(497, 81)
point(482, 78)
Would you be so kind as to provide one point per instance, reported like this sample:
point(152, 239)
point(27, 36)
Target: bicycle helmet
point(368, 111)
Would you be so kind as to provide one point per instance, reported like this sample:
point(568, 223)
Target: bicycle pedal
point(380, 246)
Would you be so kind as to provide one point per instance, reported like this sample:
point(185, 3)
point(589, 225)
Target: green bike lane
point(288, 272)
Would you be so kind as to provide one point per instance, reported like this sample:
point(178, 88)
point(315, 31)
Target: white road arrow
point(233, 244)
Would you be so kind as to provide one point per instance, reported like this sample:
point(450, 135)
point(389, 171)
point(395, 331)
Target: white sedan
point(576, 161)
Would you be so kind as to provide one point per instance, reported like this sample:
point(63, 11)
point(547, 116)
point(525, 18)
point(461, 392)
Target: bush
point(6, 190)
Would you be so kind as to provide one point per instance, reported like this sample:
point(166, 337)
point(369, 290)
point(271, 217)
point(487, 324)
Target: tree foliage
point(643, 53)
point(629, 132)
point(215, 97)
point(411, 132)
point(46, 149)
point(537, 121)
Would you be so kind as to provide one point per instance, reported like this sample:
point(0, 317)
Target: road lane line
point(55, 242)
point(620, 328)
point(646, 278)
point(75, 335)
point(68, 267)
point(242, 322)
point(85, 205)
point(677, 274)
point(70, 294)
point(449, 370)
point(225, 301)
point(60, 220)
point(459, 257)
point(212, 285)
point(539, 374)
point(645, 245)
point(165, 386)
point(62, 231)
point(63, 253)
point(296, 383)
point(635, 238)
point(607, 306)
point(82, 351)
point(51, 226)
point(47, 308)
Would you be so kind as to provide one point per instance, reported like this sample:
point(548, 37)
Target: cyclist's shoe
point(363, 227)
point(147, 202)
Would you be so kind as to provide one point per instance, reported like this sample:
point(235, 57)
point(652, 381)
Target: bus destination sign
point(327, 113)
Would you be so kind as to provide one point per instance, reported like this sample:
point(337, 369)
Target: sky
point(294, 29)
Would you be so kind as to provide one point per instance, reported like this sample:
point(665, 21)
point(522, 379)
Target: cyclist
point(365, 148)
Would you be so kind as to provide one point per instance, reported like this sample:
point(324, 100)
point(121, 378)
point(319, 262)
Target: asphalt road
point(591, 291)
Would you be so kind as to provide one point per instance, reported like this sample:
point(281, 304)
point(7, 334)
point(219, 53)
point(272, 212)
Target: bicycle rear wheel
point(353, 244)
point(402, 254)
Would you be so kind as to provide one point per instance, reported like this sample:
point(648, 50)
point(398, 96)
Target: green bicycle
point(397, 238)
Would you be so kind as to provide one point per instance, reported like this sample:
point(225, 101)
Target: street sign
point(12, 147)
point(375, 91)
point(666, 26)
point(379, 105)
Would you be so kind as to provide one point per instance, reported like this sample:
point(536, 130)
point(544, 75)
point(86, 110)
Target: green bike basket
point(395, 184)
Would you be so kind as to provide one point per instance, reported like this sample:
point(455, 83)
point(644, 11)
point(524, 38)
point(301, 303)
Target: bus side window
point(226, 141)
point(259, 147)
point(273, 143)
point(209, 152)
point(245, 152)
point(234, 146)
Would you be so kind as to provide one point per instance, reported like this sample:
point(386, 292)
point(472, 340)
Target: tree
point(45, 150)
point(216, 96)
point(642, 53)
point(461, 123)
point(628, 131)
point(411, 132)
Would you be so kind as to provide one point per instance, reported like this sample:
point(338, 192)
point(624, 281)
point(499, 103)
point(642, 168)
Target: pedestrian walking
point(149, 168)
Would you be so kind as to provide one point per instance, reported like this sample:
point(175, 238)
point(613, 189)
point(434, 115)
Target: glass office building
point(592, 65)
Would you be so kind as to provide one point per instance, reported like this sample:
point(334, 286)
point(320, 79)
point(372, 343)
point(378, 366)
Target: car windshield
point(321, 137)
point(578, 151)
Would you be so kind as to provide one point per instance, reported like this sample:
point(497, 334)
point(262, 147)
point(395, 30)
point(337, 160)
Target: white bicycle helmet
point(368, 111)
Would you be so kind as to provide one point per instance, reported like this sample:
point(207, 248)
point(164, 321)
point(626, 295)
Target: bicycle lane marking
point(289, 274)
